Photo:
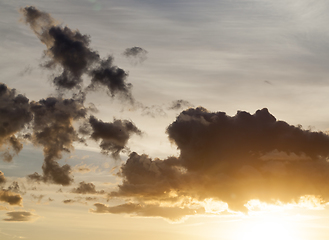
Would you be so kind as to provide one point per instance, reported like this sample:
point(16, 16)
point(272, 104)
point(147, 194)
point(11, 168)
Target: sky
point(164, 119)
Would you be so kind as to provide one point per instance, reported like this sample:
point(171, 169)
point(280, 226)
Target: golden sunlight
point(269, 228)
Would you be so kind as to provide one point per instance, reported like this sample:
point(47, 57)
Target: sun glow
point(269, 228)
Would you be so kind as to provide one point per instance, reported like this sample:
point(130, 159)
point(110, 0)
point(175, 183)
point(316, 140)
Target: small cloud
point(173, 214)
point(180, 104)
point(19, 216)
point(86, 188)
point(10, 197)
point(135, 55)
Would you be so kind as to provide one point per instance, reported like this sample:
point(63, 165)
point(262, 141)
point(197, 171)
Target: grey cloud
point(71, 201)
point(15, 187)
point(19, 216)
point(53, 129)
point(105, 74)
point(135, 54)
point(38, 198)
point(66, 48)
point(180, 104)
point(70, 50)
point(149, 210)
point(15, 115)
point(113, 136)
point(86, 188)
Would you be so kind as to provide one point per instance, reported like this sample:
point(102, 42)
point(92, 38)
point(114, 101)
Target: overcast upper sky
point(113, 124)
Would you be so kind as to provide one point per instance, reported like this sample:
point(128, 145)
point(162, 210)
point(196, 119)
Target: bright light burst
point(269, 228)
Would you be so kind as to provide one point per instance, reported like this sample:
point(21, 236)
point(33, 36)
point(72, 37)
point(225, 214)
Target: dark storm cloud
point(113, 136)
point(53, 129)
point(180, 104)
point(232, 159)
point(19, 216)
point(15, 115)
point(149, 210)
point(10, 197)
point(135, 54)
point(70, 50)
point(2, 178)
point(86, 188)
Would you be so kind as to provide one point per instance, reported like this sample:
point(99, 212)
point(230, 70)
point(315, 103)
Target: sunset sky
point(144, 119)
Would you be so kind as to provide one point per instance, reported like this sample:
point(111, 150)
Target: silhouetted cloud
point(2, 178)
point(10, 197)
point(53, 129)
point(15, 115)
point(135, 54)
point(180, 104)
point(231, 159)
point(113, 136)
point(86, 188)
point(70, 50)
point(149, 210)
point(105, 74)
point(19, 216)
point(66, 48)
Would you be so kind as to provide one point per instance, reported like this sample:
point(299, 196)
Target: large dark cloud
point(113, 136)
point(15, 115)
point(70, 50)
point(53, 129)
point(232, 159)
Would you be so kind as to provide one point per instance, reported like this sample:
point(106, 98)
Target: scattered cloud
point(19, 216)
point(10, 197)
point(15, 115)
point(114, 136)
point(173, 214)
point(86, 188)
point(136, 55)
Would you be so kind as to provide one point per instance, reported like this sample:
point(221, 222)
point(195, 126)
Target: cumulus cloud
point(15, 115)
point(53, 129)
point(86, 188)
point(149, 210)
point(10, 197)
point(19, 216)
point(70, 51)
point(113, 136)
point(232, 159)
